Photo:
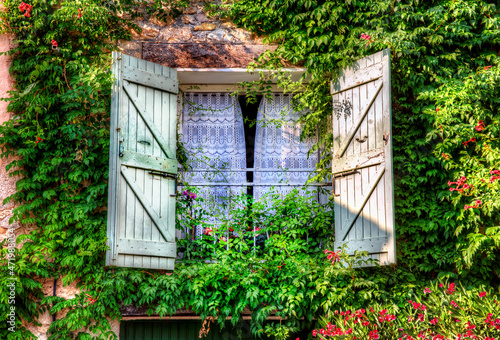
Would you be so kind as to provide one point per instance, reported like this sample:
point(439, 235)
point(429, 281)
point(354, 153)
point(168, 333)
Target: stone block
point(205, 27)
point(168, 20)
point(175, 34)
point(217, 35)
point(191, 9)
point(131, 48)
point(148, 31)
point(188, 20)
point(203, 55)
point(228, 25)
point(201, 17)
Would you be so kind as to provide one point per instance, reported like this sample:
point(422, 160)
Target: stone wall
point(193, 40)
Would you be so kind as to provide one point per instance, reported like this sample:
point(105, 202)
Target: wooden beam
point(149, 79)
point(148, 162)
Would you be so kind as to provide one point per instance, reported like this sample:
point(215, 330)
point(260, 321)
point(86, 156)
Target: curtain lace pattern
point(212, 133)
point(278, 148)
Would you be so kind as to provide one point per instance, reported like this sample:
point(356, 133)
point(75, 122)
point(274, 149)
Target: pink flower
point(434, 321)
point(441, 285)
point(482, 294)
point(314, 333)
point(451, 288)
point(454, 304)
point(208, 231)
point(427, 291)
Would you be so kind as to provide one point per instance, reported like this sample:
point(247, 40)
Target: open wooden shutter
point(143, 167)
point(362, 158)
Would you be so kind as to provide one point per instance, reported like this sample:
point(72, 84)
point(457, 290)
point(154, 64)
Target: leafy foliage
point(60, 134)
point(439, 49)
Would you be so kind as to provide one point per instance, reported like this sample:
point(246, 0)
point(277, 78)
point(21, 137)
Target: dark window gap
point(249, 112)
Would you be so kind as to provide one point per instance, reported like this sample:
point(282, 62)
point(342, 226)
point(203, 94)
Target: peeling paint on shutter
point(141, 206)
point(362, 158)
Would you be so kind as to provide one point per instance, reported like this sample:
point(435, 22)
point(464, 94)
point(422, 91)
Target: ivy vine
point(445, 57)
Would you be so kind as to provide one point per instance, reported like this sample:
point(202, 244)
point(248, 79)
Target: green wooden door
point(179, 330)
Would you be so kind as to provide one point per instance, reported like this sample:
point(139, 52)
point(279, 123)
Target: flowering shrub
point(440, 311)
point(238, 223)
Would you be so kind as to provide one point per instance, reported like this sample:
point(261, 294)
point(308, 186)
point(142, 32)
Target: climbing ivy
point(443, 86)
point(445, 57)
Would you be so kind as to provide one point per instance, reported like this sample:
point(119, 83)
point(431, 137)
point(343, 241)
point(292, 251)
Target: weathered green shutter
point(362, 158)
point(141, 209)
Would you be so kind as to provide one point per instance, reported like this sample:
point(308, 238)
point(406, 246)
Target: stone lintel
point(191, 55)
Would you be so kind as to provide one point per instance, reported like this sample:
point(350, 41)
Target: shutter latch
point(120, 148)
point(166, 175)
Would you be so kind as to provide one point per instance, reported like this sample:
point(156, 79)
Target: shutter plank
point(144, 202)
point(354, 127)
point(363, 199)
point(146, 118)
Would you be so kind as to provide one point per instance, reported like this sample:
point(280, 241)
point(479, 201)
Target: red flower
point(454, 304)
point(482, 294)
point(79, 13)
point(480, 126)
point(367, 38)
point(441, 285)
point(434, 321)
point(333, 255)
point(487, 68)
point(314, 333)
point(473, 139)
point(208, 231)
point(54, 43)
point(437, 109)
point(38, 140)
point(25, 7)
point(90, 299)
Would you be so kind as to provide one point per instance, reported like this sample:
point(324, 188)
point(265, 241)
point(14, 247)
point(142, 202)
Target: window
point(238, 148)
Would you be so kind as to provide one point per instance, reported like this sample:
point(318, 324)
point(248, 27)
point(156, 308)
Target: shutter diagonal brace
point(147, 206)
point(139, 106)
point(345, 143)
point(366, 197)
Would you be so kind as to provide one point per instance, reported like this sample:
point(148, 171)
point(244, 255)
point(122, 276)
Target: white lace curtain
point(211, 128)
point(278, 148)
point(213, 135)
